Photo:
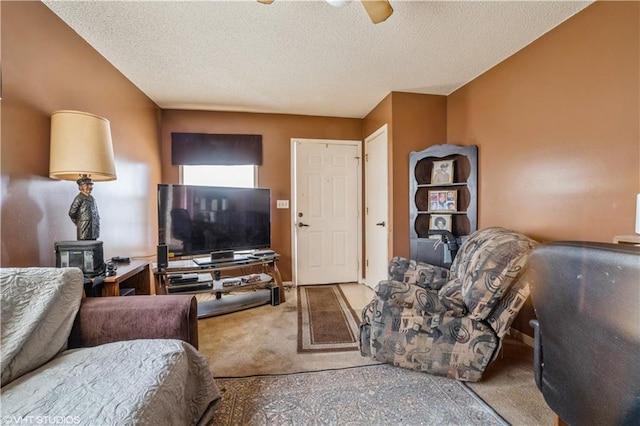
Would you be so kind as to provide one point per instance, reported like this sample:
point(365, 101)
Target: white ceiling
point(304, 57)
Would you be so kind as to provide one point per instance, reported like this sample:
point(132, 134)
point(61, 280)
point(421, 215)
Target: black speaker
point(275, 294)
point(163, 256)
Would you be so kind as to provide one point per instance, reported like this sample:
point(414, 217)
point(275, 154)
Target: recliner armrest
point(103, 320)
point(396, 293)
point(447, 301)
point(422, 274)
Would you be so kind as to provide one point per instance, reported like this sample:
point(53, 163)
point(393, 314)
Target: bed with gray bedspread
point(142, 382)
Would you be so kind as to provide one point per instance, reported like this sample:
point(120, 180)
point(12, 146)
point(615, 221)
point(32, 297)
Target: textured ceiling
point(304, 57)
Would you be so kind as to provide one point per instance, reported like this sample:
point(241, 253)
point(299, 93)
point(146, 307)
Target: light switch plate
point(282, 204)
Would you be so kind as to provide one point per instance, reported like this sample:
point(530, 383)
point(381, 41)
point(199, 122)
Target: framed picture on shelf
point(443, 201)
point(442, 172)
point(440, 222)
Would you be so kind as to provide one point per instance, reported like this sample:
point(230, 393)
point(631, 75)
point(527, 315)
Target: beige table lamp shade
point(81, 146)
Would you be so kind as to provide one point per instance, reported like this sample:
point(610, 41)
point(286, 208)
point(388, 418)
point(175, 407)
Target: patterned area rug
point(370, 395)
point(326, 321)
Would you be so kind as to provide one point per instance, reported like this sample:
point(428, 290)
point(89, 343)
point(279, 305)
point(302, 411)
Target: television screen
point(202, 219)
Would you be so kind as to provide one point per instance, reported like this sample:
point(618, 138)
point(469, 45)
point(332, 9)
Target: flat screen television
point(203, 219)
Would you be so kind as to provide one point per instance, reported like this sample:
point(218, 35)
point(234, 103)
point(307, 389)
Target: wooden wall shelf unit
point(464, 184)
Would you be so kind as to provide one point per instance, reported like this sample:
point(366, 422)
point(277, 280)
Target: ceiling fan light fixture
point(338, 3)
point(378, 10)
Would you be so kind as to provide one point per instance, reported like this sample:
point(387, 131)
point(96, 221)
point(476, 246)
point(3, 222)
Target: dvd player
point(263, 253)
point(183, 279)
point(190, 287)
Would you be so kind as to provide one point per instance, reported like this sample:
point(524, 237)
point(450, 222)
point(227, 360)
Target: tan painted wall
point(275, 173)
point(414, 122)
point(46, 67)
point(419, 121)
point(379, 116)
point(557, 126)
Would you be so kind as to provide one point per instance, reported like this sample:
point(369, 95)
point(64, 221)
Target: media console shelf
point(253, 293)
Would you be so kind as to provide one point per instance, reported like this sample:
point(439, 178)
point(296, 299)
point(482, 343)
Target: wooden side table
point(136, 275)
point(627, 239)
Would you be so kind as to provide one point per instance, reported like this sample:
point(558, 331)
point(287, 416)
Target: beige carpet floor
point(508, 386)
point(263, 341)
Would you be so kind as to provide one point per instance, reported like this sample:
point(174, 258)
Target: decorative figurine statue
point(84, 211)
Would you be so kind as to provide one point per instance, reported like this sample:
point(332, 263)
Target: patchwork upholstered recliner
point(449, 323)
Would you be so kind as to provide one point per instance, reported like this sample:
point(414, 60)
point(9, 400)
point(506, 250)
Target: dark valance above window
point(197, 149)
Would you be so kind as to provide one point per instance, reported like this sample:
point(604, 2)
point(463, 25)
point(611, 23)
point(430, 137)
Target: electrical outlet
point(282, 204)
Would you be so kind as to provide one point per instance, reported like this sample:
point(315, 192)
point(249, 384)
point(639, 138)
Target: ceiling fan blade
point(265, 1)
point(378, 10)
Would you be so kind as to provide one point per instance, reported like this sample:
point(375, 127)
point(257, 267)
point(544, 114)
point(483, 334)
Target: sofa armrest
point(103, 320)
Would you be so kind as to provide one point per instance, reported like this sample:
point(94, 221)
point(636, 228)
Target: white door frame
point(293, 206)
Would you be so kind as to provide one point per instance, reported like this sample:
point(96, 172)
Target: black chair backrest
point(587, 301)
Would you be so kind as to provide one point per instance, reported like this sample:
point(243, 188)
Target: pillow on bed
point(39, 306)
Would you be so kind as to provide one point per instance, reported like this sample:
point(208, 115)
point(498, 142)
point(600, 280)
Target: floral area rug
point(370, 395)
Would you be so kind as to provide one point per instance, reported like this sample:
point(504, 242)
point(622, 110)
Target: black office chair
point(587, 334)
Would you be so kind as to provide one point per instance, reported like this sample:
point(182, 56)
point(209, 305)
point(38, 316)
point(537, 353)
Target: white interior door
point(376, 207)
point(326, 210)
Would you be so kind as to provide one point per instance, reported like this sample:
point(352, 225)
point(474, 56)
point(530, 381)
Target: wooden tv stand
point(220, 304)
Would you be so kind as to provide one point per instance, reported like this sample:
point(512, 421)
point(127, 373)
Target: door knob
point(300, 224)
point(380, 223)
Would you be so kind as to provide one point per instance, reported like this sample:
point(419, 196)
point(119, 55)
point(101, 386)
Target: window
point(244, 176)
